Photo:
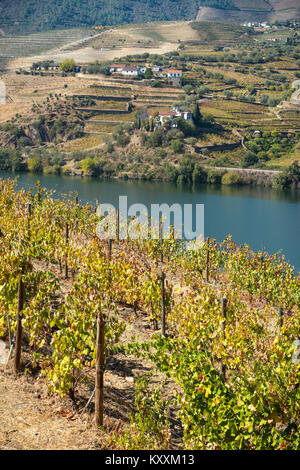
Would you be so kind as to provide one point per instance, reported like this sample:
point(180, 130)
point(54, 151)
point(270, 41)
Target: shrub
point(231, 178)
point(35, 164)
point(177, 146)
point(68, 65)
point(199, 175)
point(249, 159)
point(213, 177)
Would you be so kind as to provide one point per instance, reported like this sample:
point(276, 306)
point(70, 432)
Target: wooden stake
point(76, 202)
point(161, 240)
point(67, 242)
point(280, 317)
point(29, 210)
point(110, 242)
point(19, 331)
point(163, 306)
point(99, 383)
point(261, 261)
point(224, 307)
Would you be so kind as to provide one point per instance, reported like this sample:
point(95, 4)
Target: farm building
point(132, 71)
point(117, 68)
point(174, 77)
point(164, 117)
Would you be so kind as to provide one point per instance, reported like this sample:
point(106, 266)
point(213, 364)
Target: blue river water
point(261, 217)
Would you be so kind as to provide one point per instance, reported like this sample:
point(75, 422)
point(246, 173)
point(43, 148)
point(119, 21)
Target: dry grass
point(25, 90)
point(87, 142)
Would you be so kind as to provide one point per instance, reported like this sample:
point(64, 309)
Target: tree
point(198, 176)
point(68, 65)
point(176, 146)
point(148, 74)
point(35, 164)
point(249, 159)
point(197, 116)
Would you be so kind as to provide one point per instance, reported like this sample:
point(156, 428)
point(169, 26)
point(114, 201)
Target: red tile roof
point(169, 113)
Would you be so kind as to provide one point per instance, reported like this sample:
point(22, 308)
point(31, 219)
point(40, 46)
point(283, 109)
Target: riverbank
point(257, 215)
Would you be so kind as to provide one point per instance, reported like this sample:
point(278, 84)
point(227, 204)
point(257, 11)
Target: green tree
point(177, 146)
point(148, 74)
point(68, 65)
point(197, 116)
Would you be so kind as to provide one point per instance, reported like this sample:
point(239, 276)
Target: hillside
point(22, 17)
point(240, 11)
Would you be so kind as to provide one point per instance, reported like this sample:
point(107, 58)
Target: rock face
point(252, 11)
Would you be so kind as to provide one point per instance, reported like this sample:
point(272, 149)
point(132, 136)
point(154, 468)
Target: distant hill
point(27, 16)
point(241, 11)
point(24, 16)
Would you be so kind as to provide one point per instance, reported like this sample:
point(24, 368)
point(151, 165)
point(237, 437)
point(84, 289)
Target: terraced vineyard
point(23, 46)
point(112, 96)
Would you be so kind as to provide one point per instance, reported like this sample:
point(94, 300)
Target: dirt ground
point(31, 421)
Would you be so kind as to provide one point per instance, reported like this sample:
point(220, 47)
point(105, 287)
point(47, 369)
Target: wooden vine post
point(19, 330)
point(261, 261)
point(29, 211)
point(67, 242)
point(99, 383)
point(163, 305)
point(161, 240)
point(280, 317)
point(77, 203)
point(110, 243)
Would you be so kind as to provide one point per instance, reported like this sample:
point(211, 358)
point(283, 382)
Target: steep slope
point(25, 16)
point(22, 16)
point(249, 10)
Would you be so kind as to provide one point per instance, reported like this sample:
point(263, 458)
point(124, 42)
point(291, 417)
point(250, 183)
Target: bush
point(68, 65)
point(35, 164)
point(156, 138)
point(230, 81)
point(231, 178)
point(122, 140)
point(155, 83)
point(213, 177)
point(281, 181)
point(177, 146)
point(199, 175)
point(249, 159)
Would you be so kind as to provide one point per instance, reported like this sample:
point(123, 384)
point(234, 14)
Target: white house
point(166, 116)
point(172, 73)
point(186, 115)
point(117, 68)
point(132, 71)
point(156, 68)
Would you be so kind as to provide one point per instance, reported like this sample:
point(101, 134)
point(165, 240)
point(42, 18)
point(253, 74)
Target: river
point(261, 217)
